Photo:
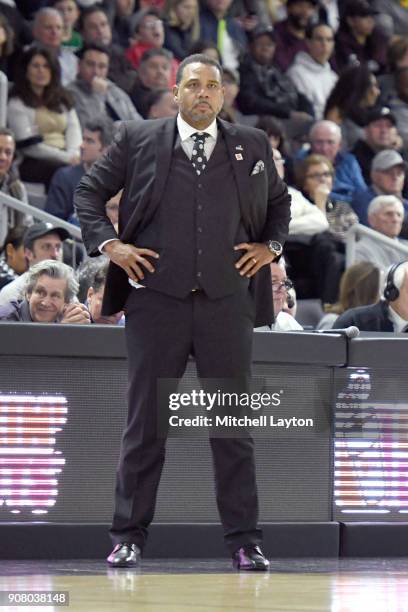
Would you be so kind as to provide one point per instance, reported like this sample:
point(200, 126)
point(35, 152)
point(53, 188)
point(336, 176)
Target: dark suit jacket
point(60, 197)
point(367, 318)
point(139, 160)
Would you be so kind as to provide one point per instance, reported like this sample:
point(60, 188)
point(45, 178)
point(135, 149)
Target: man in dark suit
point(203, 211)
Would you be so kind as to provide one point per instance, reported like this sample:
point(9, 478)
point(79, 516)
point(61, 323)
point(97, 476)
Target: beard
point(298, 22)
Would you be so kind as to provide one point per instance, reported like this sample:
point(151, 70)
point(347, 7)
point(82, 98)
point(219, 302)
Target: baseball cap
point(38, 230)
point(359, 8)
point(386, 160)
point(378, 113)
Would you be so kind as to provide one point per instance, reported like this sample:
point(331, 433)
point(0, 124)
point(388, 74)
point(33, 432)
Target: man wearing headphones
point(390, 314)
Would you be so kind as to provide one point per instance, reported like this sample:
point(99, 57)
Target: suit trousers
point(161, 332)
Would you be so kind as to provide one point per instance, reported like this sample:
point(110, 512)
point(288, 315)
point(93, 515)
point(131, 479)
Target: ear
point(371, 218)
point(90, 293)
point(28, 254)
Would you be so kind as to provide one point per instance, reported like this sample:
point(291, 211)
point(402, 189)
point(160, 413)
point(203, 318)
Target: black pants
point(39, 170)
point(161, 333)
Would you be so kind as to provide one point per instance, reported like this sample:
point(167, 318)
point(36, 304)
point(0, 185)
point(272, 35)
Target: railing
point(41, 215)
point(3, 99)
point(37, 213)
point(361, 230)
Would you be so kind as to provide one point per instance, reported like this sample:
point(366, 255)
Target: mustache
point(203, 102)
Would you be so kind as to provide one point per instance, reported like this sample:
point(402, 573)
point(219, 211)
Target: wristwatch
point(275, 247)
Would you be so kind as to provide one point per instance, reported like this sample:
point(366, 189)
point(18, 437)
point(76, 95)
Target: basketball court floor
point(291, 585)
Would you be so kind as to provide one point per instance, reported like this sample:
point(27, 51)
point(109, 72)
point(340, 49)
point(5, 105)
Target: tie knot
point(199, 137)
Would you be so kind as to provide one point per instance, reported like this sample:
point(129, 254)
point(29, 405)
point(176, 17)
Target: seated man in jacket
point(97, 136)
point(95, 27)
point(385, 216)
point(41, 241)
point(389, 314)
point(388, 170)
point(325, 139)
point(93, 93)
point(380, 133)
point(264, 90)
point(154, 73)
point(50, 297)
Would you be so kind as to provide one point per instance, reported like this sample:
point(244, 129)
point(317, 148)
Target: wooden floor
point(345, 585)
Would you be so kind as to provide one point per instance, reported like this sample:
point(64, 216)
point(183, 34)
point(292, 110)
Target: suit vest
point(195, 228)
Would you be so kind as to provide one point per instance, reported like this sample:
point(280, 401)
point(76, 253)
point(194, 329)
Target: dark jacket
point(60, 198)
point(140, 96)
point(139, 160)
point(367, 318)
point(364, 155)
point(287, 46)
point(121, 71)
point(209, 29)
point(16, 311)
point(348, 50)
point(264, 90)
point(177, 41)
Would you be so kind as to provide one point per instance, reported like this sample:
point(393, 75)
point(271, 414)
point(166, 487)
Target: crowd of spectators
point(327, 80)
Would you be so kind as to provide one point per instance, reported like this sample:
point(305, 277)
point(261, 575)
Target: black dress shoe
point(125, 554)
point(250, 558)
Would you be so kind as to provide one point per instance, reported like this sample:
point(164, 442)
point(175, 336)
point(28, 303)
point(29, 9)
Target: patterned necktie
point(199, 158)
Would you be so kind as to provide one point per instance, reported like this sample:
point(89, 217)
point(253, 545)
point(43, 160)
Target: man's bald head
point(325, 139)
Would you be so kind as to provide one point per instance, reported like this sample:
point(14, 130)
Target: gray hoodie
point(312, 79)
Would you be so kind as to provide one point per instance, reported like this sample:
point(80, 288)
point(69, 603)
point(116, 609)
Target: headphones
point(391, 292)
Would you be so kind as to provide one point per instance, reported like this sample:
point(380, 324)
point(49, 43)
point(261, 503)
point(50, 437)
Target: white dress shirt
point(399, 323)
point(185, 131)
point(284, 322)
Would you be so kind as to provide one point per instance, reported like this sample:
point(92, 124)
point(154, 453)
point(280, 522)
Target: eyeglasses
point(319, 175)
point(280, 285)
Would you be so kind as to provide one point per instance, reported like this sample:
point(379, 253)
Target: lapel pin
point(238, 156)
point(239, 148)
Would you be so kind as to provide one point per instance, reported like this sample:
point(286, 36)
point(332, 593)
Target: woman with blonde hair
point(359, 286)
point(182, 26)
